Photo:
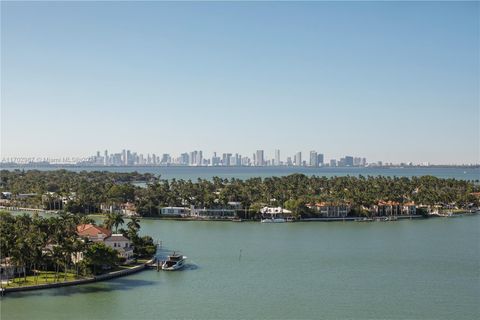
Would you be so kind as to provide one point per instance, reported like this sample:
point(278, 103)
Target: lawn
point(42, 278)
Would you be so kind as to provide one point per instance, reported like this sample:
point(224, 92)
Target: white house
point(174, 211)
point(122, 244)
point(212, 213)
point(274, 210)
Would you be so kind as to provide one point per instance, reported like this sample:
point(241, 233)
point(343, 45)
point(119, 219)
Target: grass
point(44, 277)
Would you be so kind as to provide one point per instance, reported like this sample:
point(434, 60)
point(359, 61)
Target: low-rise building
point(119, 242)
point(8, 269)
point(174, 211)
point(212, 213)
point(274, 211)
point(129, 209)
point(330, 209)
point(122, 244)
point(92, 232)
point(393, 208)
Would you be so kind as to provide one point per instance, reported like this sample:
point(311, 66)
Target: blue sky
point(388, 81)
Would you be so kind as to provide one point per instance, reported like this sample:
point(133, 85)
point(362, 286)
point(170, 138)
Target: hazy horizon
point(388, 81)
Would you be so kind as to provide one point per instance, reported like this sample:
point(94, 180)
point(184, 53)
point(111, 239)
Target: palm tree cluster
point(89, 190)
point(34, 244)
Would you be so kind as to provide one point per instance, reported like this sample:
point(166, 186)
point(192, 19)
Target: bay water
point(422, 269)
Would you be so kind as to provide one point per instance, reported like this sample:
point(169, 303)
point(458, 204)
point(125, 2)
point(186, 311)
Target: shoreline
point(332, 219)
point(102, 277)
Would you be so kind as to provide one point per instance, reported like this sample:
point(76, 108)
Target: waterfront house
point(274, 211)
point(212, 213)
point(119, 242)
point(93, 233)
point(330, 209)
point(110, 208)
point(129, 209)
point(122, 244)
point(52, 201)
point(393, 208)
point(8, 269)
point(174, 211)
point(236, 205)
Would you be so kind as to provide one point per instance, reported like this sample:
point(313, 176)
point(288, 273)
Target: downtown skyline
point(257, 158)
point(397, 82)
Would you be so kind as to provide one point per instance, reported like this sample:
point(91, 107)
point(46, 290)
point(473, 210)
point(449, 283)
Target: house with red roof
point(118, 242)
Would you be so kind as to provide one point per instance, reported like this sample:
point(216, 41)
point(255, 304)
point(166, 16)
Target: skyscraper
point(105, 158)
point(349, 161)
point(277, 157)
point(298, 159)
point(320, 159)
point(313, 159)
point(260, 161)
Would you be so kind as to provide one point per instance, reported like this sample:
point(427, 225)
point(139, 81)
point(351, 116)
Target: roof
point(330, 204)
point(116, 237)
point(394, 203)
point(91, 230)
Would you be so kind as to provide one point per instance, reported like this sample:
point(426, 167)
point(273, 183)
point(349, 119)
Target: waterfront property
point(393, 208)
point(330, 209)
point(119, 242)
point(174, 211)
point(8, 269)
point(212, 213)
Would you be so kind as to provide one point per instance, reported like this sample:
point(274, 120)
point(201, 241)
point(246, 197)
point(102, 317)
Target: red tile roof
point(91, 230)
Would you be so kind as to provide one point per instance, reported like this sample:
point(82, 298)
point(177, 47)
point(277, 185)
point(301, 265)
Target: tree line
point(86, 191)
point(35, 244)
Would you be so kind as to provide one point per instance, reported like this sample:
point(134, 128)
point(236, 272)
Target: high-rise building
point(215, 160)
point(105, 158)
point(320, 159)
point(165, 158)
point(333, 163)
point(277, 157)
point(298, 159)
point(226, 159)
point(313, 159)
point(260, 161)
point(349, 161)
point(184, 158)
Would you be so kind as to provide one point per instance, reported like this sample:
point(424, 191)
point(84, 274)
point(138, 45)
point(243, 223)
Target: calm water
point(248, 172)
point(394, 270)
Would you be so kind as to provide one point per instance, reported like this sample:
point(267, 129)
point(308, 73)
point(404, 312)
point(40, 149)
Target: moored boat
point(273, 220)
point(174, 262)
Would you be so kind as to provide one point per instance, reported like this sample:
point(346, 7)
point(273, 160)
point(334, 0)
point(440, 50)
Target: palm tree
point(113, 220)
point(134, 223)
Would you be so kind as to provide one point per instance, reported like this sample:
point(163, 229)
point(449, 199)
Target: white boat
point(273, 220)
point(174, 262)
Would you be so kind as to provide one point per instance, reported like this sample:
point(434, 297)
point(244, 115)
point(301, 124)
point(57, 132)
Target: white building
point(212, 213)
point(174, 211)
point(330, 210)
point(122, 245)
point(274, 210)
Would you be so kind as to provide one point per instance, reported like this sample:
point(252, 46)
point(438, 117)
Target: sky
point(388, 81)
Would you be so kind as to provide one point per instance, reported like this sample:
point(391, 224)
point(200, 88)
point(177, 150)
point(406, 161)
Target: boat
point(273, 220)
point(174, 262)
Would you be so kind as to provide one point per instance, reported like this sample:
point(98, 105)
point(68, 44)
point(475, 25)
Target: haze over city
point(396, 82)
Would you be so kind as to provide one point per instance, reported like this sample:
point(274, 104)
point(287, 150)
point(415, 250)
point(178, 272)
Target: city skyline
point(397, 82)
point(259, 158)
